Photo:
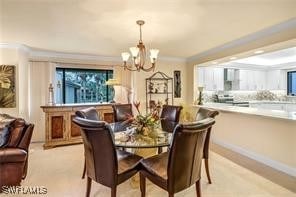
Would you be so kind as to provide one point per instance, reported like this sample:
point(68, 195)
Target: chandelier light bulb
point(134, 51)
point(152, 59)
point(154, 53)
point(125, 56)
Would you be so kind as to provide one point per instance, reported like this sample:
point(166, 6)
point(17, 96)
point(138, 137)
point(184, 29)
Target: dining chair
point(105, 164)
point(88, 113)
point(180, 167)
point(201, 114)
point(91, 114)
point(122, 112)
point(170, 116)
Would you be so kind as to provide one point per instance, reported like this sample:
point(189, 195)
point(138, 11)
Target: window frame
point(289, 83)
point(69, 69)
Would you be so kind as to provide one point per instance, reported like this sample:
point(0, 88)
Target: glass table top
point(125, 136)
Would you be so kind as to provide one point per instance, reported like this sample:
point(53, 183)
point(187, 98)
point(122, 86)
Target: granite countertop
point(279, 114)
point(76, 105)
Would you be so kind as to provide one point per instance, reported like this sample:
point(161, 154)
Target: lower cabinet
point(59, 128)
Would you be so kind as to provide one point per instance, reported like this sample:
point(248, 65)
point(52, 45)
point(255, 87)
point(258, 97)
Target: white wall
point(168, 68)
point(265, 139)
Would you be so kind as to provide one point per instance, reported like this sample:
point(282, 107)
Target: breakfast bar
point(267, 136)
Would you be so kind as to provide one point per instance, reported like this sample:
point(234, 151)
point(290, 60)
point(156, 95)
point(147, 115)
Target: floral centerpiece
point(145, 124)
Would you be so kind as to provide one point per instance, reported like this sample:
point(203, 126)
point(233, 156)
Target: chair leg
point(207, 170)
point(171, 195)
point(84, 170)
point(197, 187)
point(113, 191)
point(88, 186)
point(142, 185)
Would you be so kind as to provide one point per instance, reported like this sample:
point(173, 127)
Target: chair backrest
point(185, 154)
point(170, 116)
point(100, 153)
point(88, 113)
point(122, 111)
point(204, 113)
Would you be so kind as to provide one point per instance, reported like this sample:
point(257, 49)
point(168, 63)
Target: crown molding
point(45, 55)
point(40, 54)
point(251, 38)
point(4, 45)
point(244, 66)
point(53, 55)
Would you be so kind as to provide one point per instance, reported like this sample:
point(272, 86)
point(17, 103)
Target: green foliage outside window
point(83, 85)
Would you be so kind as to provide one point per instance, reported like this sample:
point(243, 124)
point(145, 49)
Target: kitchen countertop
point(271, 102)
point(279, 114)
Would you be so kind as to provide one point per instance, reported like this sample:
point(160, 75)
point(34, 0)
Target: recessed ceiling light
point(233, 58)
point(214, 62)
point(259, 51)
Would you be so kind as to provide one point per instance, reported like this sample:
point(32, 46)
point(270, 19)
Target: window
point(292, 83)
point(83, 85)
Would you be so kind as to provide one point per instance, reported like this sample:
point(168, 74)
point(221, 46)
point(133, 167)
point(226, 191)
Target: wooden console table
point(59, 128)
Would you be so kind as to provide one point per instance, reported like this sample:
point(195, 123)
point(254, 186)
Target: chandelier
point(139, 55)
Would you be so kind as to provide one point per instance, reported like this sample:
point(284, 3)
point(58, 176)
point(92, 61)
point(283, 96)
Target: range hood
point(228, 74)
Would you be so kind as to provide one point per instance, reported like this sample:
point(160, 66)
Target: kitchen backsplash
point(276, 95)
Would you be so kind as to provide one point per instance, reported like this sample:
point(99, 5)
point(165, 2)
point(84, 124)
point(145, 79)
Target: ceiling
point(178, 28)
point(271, 59)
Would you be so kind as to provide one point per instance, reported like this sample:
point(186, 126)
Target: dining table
point(125, 136)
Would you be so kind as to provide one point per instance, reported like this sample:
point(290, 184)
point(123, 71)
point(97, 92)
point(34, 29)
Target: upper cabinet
point(219, 78)
point(276, 80)
point(252, 80)
point(211, 78)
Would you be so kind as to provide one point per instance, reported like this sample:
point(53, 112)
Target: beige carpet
point(59, 170)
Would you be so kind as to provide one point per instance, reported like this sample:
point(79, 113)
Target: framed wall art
point(7, 86)
point(177, 84)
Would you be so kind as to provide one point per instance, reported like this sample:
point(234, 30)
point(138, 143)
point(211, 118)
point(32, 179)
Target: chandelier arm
point(149, 69)
point(130, 68)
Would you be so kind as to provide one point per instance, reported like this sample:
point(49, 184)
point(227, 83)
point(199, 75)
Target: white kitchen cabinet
point(259, 80)
point(218, 79)
point(211, 78)
point(200, 75)
point(276, 80)
point(243, 80)
point(251, 80)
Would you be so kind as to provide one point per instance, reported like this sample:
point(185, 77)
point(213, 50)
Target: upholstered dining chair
point(122, 111)
point(91, 114)
point(170, 116)
point(180, 167)
point(105, 164)
point(204, 113)
point(88, 113)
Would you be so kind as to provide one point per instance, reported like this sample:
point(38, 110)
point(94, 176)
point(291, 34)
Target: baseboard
point(257, 157)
